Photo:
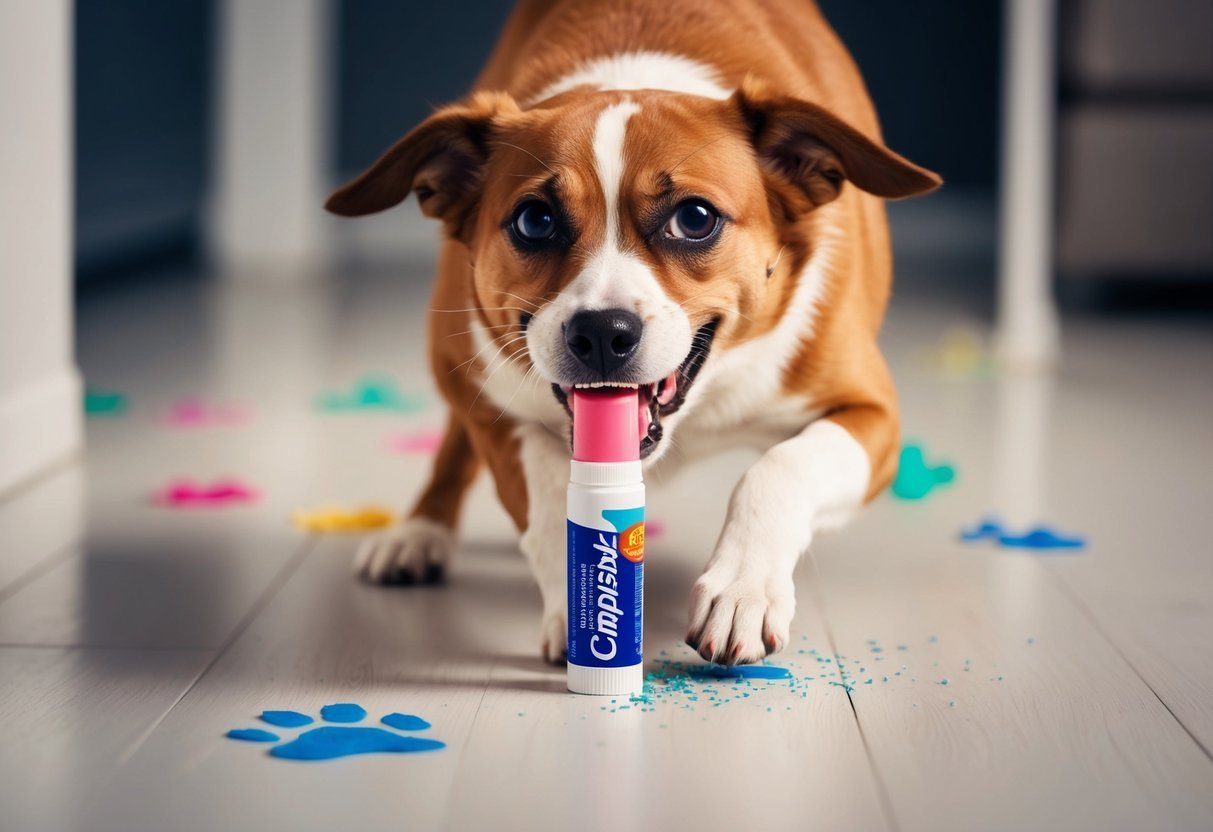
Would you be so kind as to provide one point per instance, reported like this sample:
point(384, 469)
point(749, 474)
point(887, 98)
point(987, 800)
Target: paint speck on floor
point(343, 712)
point(286, 719)
point(252, 735)
point(99, 403)
point(915, 478)
point(406, 722)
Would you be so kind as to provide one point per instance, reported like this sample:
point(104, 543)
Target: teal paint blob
point(329, 743)
point(741, 671)
point(286, 719)
point(370, 393)
point(915, 478)
point(405, 722)
point(97, 403)
point(343, 712)
point(252, 735)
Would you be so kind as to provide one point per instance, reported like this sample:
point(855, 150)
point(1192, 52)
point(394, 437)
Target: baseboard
point(40, 424)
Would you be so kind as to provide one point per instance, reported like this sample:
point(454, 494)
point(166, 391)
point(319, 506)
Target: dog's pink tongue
point(606, 425)
point(670, 388)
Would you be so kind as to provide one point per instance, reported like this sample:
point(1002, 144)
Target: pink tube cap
point(606, 424)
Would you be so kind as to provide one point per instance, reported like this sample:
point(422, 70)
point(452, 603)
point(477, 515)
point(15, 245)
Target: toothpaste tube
point(606, 544)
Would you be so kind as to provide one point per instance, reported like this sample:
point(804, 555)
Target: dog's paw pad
point(343, 739)
point(739, 622)
point(417, 552)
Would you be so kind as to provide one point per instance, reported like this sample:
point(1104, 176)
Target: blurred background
point(196, 139)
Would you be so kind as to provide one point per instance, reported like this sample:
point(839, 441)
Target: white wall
point(40, 398)
point(271, 162)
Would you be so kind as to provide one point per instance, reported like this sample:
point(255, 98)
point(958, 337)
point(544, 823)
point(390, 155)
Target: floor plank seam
point(25, 486)
point(488, 682)
point(882, 792)
point(1089, 614)
point(42, 567)
point(263, 600)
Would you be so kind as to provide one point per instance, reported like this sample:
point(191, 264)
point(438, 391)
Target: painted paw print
point(343, 739)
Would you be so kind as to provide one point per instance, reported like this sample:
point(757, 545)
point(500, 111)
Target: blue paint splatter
point(1040, 537)
point(405, 722)
point(328, 743)
point(286, 719)
point(251, 735)
point(741, 671)
point(343, 712)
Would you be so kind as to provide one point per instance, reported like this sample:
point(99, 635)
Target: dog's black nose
point(603, 339)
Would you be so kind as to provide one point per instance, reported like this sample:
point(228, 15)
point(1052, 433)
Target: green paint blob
point(97, 403)
point(370, 393)
point(916, 479)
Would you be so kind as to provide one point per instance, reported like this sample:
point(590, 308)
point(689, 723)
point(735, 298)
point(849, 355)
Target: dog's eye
point(692, 220)
point(534, 221)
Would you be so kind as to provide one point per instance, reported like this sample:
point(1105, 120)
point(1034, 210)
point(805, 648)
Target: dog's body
point(613, 118)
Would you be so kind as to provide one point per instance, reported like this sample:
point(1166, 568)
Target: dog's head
point(629, 234)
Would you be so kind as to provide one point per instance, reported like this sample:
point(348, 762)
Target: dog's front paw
point(554, 636)
point(738, 619)
point(417, 552)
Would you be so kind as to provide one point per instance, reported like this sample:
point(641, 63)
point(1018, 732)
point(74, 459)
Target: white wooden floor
point(1079, 688)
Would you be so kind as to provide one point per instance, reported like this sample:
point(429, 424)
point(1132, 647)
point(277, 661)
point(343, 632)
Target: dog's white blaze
point(614, 278)
point(609, 134)
point(642, 71)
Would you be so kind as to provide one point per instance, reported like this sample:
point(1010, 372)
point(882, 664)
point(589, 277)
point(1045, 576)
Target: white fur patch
point(642, 71)
point(506, 384)
point(609, 134)
point(745, 384)
point(545, 466)
point(742, 605)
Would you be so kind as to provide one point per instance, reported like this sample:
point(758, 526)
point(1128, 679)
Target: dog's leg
point(545, 464)
point(741, 607)
point(421, 549)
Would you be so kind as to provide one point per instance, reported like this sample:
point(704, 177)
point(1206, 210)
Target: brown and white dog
point(687, 196)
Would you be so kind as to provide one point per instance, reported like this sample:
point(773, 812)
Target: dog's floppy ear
point(442, 160)
point(809, 148)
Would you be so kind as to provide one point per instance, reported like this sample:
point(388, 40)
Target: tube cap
point(606, 424)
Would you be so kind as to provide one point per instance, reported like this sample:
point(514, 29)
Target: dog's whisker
point(692, 153)
point(492, 342)
point(469, 331)
point(481, 309)
point(550, 169)
point(493, 371)
point(535, 303)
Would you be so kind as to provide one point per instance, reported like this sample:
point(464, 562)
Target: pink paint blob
point(422, 441)
point(195, 413)
point(188, 494)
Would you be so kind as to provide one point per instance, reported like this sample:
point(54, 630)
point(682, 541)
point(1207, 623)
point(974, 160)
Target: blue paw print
point(345, 739)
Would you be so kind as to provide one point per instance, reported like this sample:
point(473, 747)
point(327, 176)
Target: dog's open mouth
point(658, 398)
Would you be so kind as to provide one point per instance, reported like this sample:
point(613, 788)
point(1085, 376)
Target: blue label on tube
point(606, 591)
